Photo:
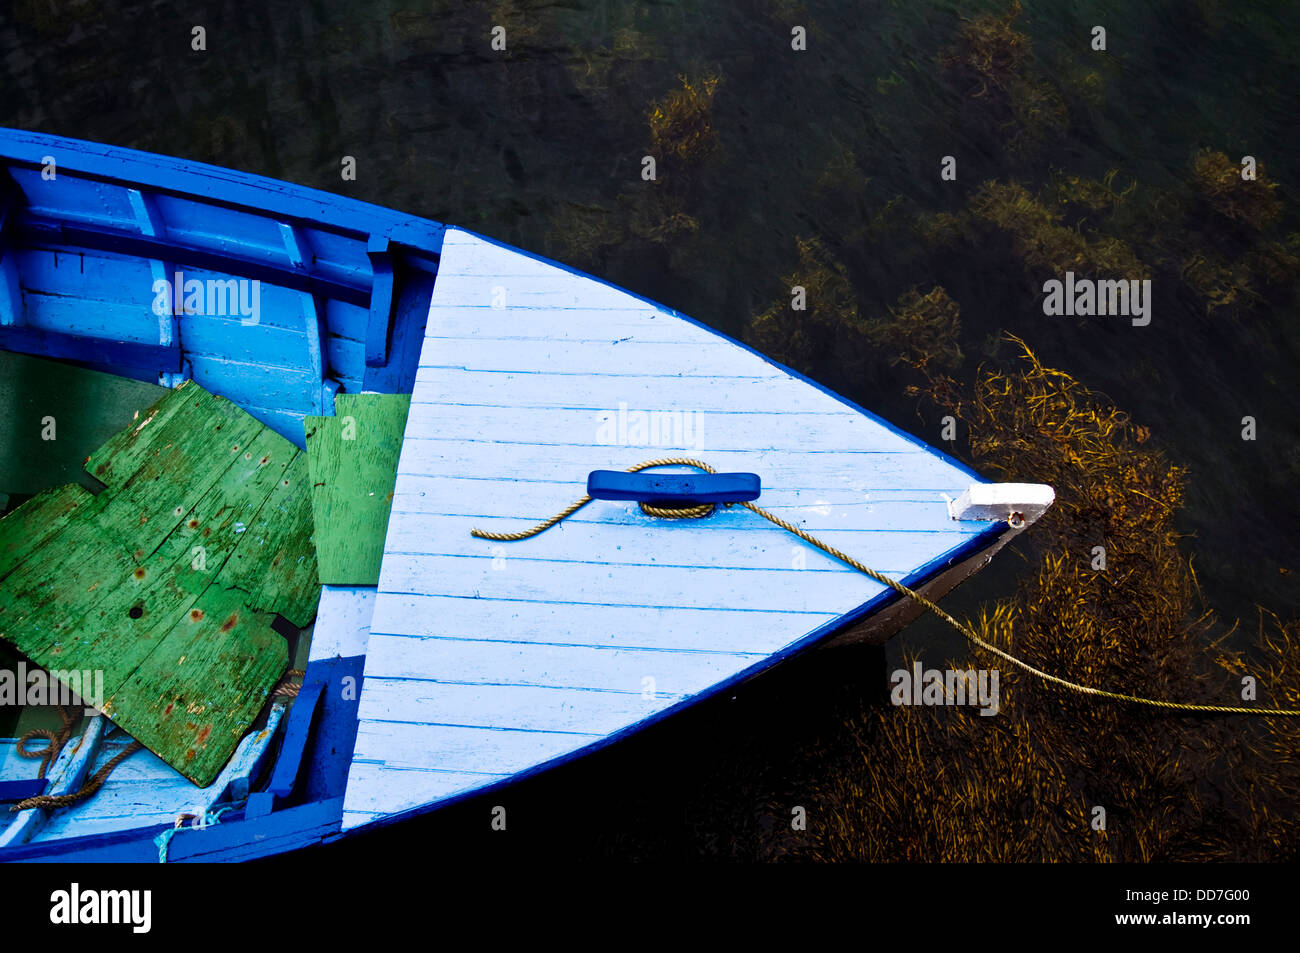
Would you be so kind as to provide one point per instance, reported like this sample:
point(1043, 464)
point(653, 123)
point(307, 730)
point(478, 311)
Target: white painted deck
point(486, 659)
point(342, 622)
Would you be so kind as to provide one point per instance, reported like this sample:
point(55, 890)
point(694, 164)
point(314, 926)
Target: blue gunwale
point(53, 235)
point(334, 254)
point(186, 178)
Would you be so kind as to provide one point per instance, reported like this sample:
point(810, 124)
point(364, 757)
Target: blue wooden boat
point(473, 662)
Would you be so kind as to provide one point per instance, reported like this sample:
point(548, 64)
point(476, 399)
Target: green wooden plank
point(156, 582)
point(44, 599)
point(195, 695)
point(163, 588)
point(36, 522)
point(276, 564)
point(188, 420)
point(124, 450)
point(353, 462)
point(173, 462)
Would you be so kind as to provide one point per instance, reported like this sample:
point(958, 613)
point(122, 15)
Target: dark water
point(541, 147)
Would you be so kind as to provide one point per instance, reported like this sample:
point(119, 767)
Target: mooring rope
point(48, 754)
point(701, 511)
point(288, 687)
point(684, 513)
point(54, 742)
point(51, 801)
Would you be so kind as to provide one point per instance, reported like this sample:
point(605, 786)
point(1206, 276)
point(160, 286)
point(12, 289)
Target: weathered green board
point(352, 457)
point(167, 581)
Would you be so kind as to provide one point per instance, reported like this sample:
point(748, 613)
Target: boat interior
point(113, 290)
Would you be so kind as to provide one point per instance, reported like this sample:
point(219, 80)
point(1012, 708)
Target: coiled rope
point(290, 685)
point(706, 509)
point(91, 787)
point(54, 745)
point(54, 742)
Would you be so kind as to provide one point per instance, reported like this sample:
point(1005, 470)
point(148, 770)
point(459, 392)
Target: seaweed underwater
point(922, 783)
point(1057, 777)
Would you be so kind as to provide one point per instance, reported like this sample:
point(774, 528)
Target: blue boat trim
point(35, 233)
point(186, 178)
point(329, 752)
point(380, 328)
point(236, 838)
point(344, 284)
point(153, 358)
point(22, 789)
point(288, 763)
